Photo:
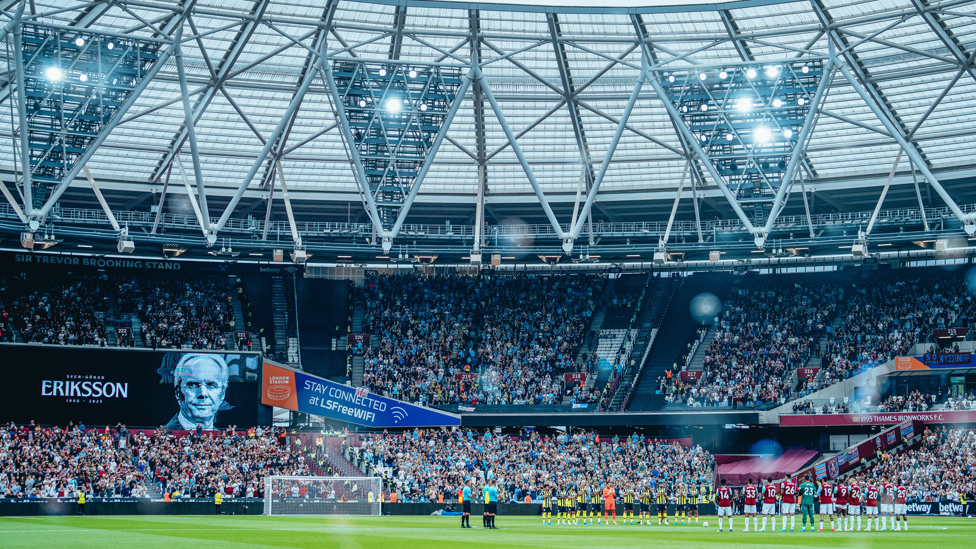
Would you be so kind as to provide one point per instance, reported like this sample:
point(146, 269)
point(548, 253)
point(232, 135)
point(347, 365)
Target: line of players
point(574, 503)
point(840, 502)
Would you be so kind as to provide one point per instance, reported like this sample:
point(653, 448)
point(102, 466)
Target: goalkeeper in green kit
point(807, 491)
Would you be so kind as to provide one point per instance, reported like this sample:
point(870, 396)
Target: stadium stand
point(516, 335)
point(942, 468)
point(170, 312)
point(425, 463)
point(750, 354)
point(116, 462)
point(57, 310)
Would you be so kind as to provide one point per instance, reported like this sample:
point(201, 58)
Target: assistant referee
point(466, 505)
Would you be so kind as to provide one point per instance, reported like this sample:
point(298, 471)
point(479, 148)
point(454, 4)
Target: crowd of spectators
point(915, 402)
point(963, 402)
point(940, 469)
point(421, 465)
point(490, 339)
point(116, 462)
point(808, 407)
point(763, 334)
point(177, 313)
point(880, 321)
point(58, 310)
point(74, 309)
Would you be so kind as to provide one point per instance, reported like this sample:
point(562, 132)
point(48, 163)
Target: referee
point(466, 505)
point(491, 504)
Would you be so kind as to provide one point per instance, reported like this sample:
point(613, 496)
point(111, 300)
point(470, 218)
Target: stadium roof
point(562, 73)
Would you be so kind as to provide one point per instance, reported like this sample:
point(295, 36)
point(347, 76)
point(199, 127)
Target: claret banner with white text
point(301, 392)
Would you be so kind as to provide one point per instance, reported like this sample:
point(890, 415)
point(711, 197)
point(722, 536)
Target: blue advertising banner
point(301, 392)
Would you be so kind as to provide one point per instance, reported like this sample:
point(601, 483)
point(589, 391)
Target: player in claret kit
point(724, 504)
point(871, 495)
point(826, 494)
point(769, 503)
point(788, 507)
point(840, 506)
point(901, 507)
point(854, 503)
point(749, 493)
point(887, 504)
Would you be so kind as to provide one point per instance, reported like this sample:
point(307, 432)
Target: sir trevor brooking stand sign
point(301, 392)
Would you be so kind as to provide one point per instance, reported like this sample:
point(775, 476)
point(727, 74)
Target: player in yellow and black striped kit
point(628, 506)
point(563, 509)
point(680, 510)
point(580, 506)
point(571, 505)
point(547, 506)
point(661, 499)
point(597, 505)
point(645, 505)
point(691, 503)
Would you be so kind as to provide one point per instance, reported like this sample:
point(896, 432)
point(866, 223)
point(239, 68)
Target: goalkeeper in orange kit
point(609, 507)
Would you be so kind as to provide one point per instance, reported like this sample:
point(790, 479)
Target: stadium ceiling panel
point(228, 107)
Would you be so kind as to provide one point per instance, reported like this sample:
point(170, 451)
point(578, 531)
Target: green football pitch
point(135, 532)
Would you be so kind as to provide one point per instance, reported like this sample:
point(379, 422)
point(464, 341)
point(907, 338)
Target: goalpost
point(301, 495)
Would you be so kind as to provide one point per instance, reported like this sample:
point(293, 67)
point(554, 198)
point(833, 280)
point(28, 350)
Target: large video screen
point(139, 388)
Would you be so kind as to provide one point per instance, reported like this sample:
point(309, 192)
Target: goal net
point(288, 495)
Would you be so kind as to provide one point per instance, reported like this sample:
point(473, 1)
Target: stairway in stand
point(280, 313)
point(136, 324)
point(596, 323)
point(656, 305)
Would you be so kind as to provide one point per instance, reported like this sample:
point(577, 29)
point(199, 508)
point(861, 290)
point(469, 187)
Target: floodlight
point(110, 45)
point(723, 75)
point(702, 76)
point(393, 105)
point(412, 73)
point(423, 107)
point(83, 77)
point(728, 137)
point(382, 72)
point(79, 41)
point(704, 107)
point(787, 133)
point(777, 103)
point(761, 134)
point(805, 69)
point(772, 72)
point(53, 74)
point(362, 102)
point(744, 105)
point(801, 101)
point(751, 73)
point(671, 78)
point(704, 138)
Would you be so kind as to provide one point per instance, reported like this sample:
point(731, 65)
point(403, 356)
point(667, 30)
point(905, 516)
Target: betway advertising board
point(308, 394)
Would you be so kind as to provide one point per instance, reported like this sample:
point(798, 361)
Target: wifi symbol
point(398, 414)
